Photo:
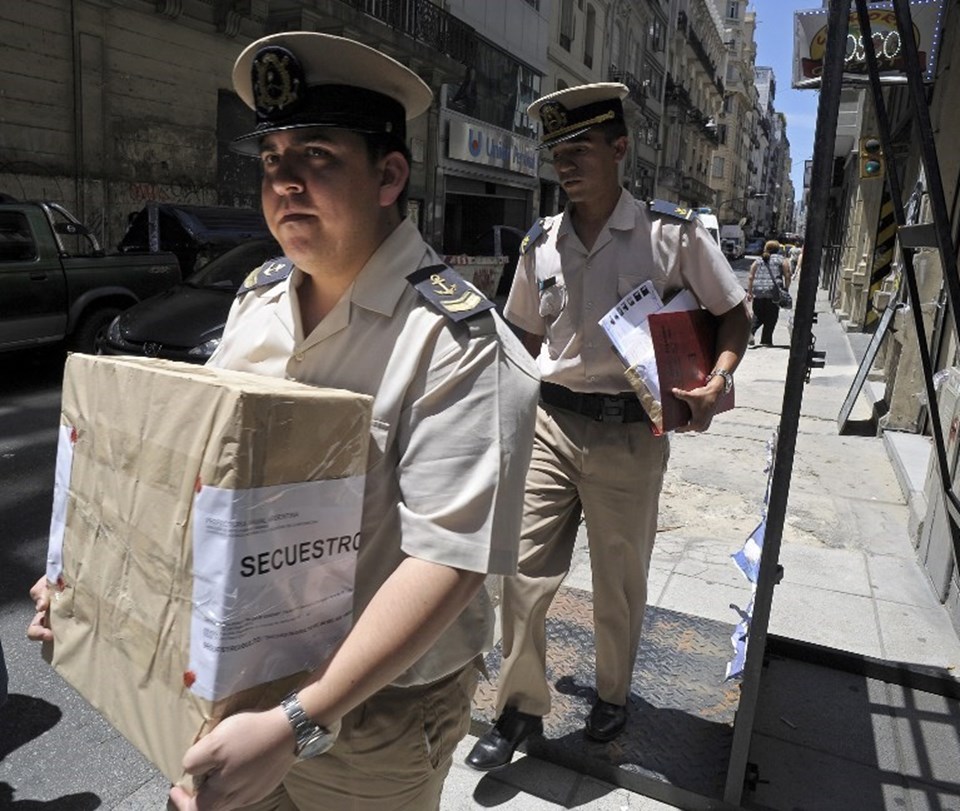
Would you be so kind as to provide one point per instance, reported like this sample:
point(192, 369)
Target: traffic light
point(871, 157)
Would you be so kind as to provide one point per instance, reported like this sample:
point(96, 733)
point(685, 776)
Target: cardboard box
point(203, 541)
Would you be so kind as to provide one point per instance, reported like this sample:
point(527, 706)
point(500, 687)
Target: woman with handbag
point(766, 287)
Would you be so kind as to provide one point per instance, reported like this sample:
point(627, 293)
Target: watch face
point(318, 743)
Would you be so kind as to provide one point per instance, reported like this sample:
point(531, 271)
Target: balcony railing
point(697, 191)
point(638, 90)
point(677, 93)
point(701, 53)
point(426, 23)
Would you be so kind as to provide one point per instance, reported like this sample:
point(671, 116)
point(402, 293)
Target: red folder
point(685, 346)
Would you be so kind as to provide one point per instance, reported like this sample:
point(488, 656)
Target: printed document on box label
point(273, 572)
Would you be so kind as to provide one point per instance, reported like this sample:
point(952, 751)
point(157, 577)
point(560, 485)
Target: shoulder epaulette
point(537, 230)
point(270, 272)
point(448, 292)
point(669, 209)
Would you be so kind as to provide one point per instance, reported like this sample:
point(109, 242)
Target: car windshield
point(229, 270)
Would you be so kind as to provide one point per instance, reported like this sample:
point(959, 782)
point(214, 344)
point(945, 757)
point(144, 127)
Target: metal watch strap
point(727, 379)
point(310, 738)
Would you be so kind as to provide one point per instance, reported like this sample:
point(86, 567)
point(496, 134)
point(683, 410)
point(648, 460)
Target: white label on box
point(273, 571)
point(61, 490)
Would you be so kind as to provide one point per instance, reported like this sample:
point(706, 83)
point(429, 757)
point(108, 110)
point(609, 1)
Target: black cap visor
point(350, 108)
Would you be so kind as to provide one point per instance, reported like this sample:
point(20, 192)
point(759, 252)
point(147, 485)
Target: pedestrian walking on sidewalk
point(594, 451)
point(361, 302)
point(768, 274)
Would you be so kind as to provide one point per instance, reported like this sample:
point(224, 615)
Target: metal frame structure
point(804, 357)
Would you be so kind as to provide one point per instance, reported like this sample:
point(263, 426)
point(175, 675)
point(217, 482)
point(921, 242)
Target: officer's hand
point(241, 761)
point(702, 402)
point(39, 627)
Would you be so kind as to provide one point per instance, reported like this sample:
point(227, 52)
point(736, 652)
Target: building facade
point(695, 91)
point(731, 174)
point(130, 101)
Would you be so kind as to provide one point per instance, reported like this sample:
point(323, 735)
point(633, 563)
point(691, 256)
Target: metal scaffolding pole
point(802, 358)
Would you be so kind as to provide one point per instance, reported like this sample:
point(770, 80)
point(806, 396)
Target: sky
point(775, 49)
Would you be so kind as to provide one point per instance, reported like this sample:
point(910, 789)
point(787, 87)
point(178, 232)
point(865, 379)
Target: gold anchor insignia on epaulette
point(466, 301)
point(525, 244)
point(681, 211)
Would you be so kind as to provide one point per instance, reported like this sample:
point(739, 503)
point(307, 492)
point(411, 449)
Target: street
point(39, 699)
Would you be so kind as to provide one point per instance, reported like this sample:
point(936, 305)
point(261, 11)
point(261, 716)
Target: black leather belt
point(600, 407)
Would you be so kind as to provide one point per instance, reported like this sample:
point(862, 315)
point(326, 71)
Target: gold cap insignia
point(277, 81)
point(554, 116)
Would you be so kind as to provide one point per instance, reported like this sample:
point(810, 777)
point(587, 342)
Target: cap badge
point(278, 81)
point(554, 116)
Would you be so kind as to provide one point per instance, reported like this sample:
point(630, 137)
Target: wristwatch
point(311, 738)
point(727, 379)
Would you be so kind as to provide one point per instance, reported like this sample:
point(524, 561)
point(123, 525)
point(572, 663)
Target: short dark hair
point(379, 145)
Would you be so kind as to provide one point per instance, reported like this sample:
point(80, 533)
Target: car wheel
point(92, 329)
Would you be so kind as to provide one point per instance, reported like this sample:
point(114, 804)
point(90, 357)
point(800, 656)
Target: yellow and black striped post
point(882, 257)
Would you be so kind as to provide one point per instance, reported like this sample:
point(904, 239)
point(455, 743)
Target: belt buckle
point(612, 409)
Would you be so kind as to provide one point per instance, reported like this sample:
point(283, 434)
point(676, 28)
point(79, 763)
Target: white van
point(710, 222)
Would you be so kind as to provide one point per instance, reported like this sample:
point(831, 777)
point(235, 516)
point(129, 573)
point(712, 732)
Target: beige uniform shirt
point(453, 420)
point(561, 290)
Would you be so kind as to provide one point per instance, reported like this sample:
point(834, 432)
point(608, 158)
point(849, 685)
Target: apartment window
point(589, 36)
point(562, 85)
point(733, 9)
point(722, 133)
point(566, 24)
point(653, 80)
point(655, 34)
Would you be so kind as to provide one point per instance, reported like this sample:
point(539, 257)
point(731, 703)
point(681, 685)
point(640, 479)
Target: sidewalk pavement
point(851, 577)
point(851, 582)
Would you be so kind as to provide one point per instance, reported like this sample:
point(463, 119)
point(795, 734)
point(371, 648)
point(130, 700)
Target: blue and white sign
point(476, 142)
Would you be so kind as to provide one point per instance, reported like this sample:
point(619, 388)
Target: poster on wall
point(810, 43)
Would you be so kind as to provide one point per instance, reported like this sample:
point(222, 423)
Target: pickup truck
point(57, 284)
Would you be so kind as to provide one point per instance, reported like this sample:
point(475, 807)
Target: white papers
point(61, 489)
point(628, 329)
point(272, 580)
point(623, 323)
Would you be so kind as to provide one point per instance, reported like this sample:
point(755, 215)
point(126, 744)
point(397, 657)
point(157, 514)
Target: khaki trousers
point(393, 753)
point(613, 472)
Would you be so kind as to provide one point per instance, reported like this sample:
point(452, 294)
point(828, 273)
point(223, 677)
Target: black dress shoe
point(496, 748)
point(606, 721)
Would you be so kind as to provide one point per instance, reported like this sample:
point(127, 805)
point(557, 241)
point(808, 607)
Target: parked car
point(186, 322)
point(57, 283)
point(196, 234)
point(755, 247)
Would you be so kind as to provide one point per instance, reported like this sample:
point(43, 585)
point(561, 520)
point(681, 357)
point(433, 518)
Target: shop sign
point(476, 142)
point(810, 43)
